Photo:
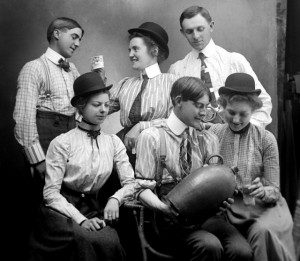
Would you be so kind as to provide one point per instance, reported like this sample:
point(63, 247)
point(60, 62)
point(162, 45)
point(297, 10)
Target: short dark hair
point(252, 99)
point(192, 11)
point(83, 100)
point(189, 88)
point(151, 44)
point(62, 23)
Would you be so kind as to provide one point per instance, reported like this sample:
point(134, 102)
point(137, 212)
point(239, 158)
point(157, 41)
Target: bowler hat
point(156, 32)
point(86, 84)
point(241, 83)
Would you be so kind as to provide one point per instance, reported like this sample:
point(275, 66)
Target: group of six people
point(72, 161)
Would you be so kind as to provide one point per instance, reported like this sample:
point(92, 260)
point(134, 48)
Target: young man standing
point(44, 90)
point(187, 149)
point(212, 63)
point(43, 109)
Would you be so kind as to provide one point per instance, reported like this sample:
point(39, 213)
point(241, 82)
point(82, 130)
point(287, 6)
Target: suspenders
point(162, 156)
point(47, 74)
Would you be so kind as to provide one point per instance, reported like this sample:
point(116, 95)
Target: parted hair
point(151, 44)
point(192, 11)
point(252, 99)
point(62, 23)
point(189, 88)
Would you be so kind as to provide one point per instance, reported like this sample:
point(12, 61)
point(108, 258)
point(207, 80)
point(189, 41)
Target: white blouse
point(75, 161)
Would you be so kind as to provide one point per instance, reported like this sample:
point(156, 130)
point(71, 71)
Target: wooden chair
point(147, 232)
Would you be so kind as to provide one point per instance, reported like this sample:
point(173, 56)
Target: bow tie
point(91, 133)
point(64, 64)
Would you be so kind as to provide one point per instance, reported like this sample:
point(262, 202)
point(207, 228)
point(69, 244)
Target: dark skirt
point(58, 237)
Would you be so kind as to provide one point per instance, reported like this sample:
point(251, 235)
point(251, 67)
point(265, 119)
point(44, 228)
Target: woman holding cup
point(259, 210)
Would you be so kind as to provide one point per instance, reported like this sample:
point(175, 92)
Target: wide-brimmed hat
point(240, 83)
point(86, 84)
point(156, 32)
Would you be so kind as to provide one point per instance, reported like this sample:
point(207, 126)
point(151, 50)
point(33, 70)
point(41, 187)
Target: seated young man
point(185, 151)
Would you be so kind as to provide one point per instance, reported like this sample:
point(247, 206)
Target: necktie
point(64, 64)
point(185, 157)
point(205, 77)
point(135, 111)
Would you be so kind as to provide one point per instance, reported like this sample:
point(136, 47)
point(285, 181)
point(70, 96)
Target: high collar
point(243, 130)
point(208, 51)
point(53, 56)
point(176, 125)
point(88, 127)
point(152, 71)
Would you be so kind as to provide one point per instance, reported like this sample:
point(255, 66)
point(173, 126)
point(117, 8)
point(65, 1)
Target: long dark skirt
point(57, 237)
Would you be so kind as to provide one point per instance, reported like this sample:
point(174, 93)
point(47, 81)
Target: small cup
point(97, 62)
point(248, 200)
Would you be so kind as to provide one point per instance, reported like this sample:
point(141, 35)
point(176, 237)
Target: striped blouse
point(254, 152)
point(156, 101)
point(203, 144)
point(75, 161)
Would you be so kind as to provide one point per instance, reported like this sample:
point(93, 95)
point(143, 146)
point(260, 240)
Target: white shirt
point(220, 64)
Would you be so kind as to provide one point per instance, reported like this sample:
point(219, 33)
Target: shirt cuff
point(79, 219)
point(35, 153)
point(117, 198)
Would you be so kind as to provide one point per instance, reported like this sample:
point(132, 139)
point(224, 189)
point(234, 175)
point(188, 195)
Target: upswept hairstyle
point(252, 99)
point(62, 23)
point(189, 88)
point(192, 11)
point(151, 44)
point(83, 100)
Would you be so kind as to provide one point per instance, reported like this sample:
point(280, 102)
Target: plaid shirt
point(32, 95)
point(147, 166)
point(254, 152)
point(156, 100)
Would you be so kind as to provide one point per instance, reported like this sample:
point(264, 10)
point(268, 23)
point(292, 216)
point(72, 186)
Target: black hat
point(86, 84)
point(156, 32)
point(241, 83)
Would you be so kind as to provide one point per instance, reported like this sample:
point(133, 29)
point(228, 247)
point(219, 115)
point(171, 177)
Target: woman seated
point(263, 215)
point(146, 97)
point(75, 223)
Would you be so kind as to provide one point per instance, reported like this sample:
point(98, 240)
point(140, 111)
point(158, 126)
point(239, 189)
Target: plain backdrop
point(245, 26)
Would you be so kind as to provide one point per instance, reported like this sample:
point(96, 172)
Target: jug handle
point(215, 155)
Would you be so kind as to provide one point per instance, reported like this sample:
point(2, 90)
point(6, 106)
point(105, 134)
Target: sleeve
point(114, 96)
point(262, 116)
point(147, 160)
point(125, 171)
point(56, 160)
point(271, 175)
point(28, 84)
point(209, 145)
